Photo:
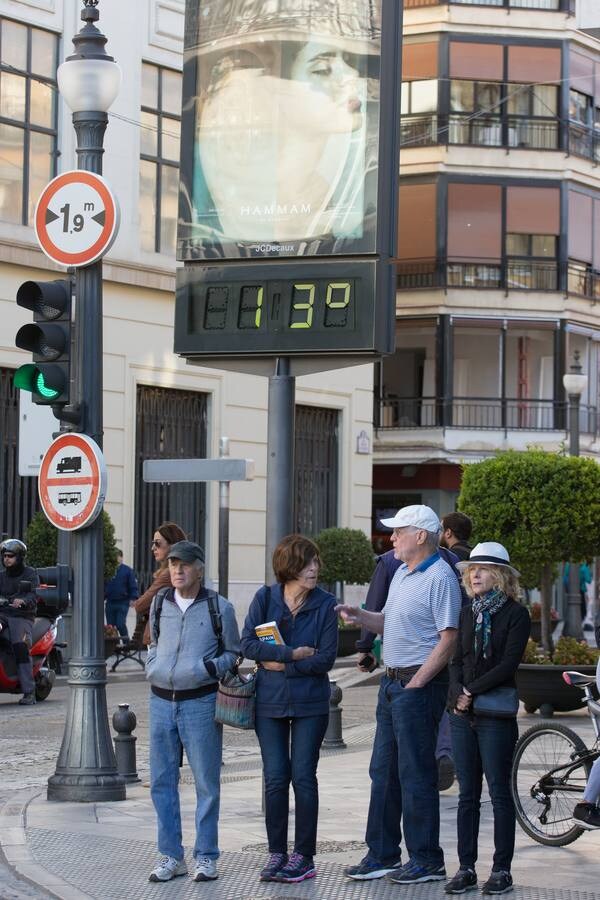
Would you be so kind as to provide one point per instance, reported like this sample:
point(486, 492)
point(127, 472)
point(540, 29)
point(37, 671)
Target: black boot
point(27, 699)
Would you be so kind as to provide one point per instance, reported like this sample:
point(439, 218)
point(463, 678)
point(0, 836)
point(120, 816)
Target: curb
point(15, 851)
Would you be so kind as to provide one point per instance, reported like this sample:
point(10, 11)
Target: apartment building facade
point(499, 242)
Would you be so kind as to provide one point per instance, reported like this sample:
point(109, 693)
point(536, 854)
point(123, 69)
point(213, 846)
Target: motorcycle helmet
point(13, 545)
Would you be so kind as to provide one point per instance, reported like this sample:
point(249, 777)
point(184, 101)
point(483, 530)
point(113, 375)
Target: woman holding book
point(294, 654)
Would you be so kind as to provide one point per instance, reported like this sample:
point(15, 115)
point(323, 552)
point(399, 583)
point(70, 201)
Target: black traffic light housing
point(48, 338)
point(53, 592)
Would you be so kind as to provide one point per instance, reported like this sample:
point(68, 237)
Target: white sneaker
point(168, 868)
point(206, 869)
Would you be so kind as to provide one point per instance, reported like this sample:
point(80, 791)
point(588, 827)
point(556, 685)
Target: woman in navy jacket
point(292, 699)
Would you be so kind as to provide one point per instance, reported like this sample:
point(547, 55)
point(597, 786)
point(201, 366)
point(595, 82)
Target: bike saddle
point(576, 679)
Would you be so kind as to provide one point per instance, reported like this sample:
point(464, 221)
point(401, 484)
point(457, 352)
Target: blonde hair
point(504, 580)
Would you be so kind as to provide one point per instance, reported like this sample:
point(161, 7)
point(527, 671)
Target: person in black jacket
point(18, 607)
point(492, 634)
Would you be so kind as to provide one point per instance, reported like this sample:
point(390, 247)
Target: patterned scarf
point(484, 608)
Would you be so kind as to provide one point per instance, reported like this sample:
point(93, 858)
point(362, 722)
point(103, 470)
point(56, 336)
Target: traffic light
point(48, 338)
point(54, 587)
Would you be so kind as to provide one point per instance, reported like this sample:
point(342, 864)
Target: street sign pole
point(87, 768)
point(280, 460)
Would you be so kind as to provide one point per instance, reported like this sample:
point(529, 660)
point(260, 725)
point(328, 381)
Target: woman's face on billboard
point(326, 70)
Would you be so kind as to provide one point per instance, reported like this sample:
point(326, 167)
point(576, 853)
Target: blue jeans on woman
point(191, 724)
point(290, 753)
point(484, 746)
point(404, 775)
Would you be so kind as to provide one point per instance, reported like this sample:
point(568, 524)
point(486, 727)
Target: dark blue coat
point(123, 586)
point(303, 688)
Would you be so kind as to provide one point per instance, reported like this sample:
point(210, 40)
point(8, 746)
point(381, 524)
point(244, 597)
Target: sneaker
point(275, 863)
point(27, 700)
point(206, 869)
point(369, 868)
point(297, 868)
point(413, 873)
point(464, 880)
point(587, 815)
point(168, 868)
point(498, 883)
point(445, 773)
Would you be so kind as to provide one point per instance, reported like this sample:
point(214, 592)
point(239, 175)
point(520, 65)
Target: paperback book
point(269, 632)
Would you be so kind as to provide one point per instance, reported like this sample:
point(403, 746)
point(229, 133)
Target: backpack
point(213, 608)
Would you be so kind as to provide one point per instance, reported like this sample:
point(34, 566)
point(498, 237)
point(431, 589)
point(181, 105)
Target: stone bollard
point(333, 735)
point(124, 722)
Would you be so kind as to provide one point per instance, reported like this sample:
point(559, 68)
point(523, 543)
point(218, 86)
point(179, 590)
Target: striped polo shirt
point(419, 605)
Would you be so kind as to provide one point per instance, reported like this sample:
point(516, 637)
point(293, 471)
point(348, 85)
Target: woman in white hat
point(492, 634)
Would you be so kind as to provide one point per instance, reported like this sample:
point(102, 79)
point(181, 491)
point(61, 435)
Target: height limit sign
point(76, 218)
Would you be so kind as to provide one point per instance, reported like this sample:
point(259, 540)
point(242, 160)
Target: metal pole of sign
point(280, 459)
point(87, 768)
point(224, 526)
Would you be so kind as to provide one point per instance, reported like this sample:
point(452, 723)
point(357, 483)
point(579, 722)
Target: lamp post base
point(86, 770)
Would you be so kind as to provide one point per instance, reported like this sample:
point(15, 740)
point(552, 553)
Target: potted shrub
point(539, 677)
point(41, 539)
point(347, 557)
point(543, 507)
point(535, 611)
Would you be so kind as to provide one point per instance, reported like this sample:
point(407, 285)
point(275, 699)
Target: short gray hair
point(432, 540)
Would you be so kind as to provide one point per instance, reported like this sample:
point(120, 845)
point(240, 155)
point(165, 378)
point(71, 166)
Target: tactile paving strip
point(111, 869)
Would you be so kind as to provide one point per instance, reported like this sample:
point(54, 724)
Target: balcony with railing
point(480, 414)
point(471, 130)
point(509, 274)
point(565, 6)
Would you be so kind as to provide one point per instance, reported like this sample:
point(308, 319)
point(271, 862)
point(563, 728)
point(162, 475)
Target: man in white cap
point(418, 623)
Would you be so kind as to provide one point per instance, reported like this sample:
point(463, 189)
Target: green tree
point(347, 557)
point(41, 538)
point(545, 509)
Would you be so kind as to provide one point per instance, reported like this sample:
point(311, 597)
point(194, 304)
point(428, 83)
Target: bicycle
point(550, 768)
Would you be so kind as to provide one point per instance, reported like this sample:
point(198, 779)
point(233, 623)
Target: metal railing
point(480, 414)
point(583, 281)
point(584, 142)
point(464, 129)
point(509, 274)
point(567, 6)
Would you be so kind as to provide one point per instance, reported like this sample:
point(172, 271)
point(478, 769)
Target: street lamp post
point(574, 384)
point(86, 770)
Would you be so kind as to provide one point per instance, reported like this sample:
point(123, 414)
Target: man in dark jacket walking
point(18, 604)
point(120, 592)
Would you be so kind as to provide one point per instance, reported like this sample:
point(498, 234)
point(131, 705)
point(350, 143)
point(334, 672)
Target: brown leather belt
point(401, 674)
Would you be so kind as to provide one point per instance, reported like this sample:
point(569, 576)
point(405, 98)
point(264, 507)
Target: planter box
point(543, 688)
point(347, 638)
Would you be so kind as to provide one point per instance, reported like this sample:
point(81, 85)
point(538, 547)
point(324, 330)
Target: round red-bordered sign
point(72, 481)
point(76, 218)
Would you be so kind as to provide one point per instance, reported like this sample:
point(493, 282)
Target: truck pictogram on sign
point(72, 482)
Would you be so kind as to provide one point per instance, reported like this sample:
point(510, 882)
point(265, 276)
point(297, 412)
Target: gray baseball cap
point(186, 551)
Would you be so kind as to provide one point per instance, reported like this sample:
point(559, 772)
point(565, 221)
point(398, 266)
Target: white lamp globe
point(89, 85)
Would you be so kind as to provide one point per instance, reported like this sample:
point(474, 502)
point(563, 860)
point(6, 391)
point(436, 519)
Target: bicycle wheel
point(544, 802)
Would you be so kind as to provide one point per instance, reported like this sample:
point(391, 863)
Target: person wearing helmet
point(18, 599)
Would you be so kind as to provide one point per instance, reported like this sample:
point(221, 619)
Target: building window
point(159, 151)
point(531, 261)
point(419, 97)
point(475, 96)
point(580, 107)
point(28, 128)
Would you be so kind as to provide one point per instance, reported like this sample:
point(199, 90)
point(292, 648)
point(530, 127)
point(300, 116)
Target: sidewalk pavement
point(105, 851)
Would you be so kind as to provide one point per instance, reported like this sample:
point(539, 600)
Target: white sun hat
point(488, 553)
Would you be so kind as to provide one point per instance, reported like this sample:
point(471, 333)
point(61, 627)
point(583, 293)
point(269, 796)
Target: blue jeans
point(189, 724)
point(116, 614)
point(404, 776)
point(484, 746)
point(294, 761)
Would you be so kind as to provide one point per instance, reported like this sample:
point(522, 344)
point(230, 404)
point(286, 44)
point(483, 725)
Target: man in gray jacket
point(185, 661)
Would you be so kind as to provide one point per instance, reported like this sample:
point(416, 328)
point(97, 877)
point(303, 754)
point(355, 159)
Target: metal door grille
point(18, 496)
point(316, 469)
point(170, 424)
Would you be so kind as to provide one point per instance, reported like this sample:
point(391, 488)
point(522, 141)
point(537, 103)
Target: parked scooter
point(45, 651)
